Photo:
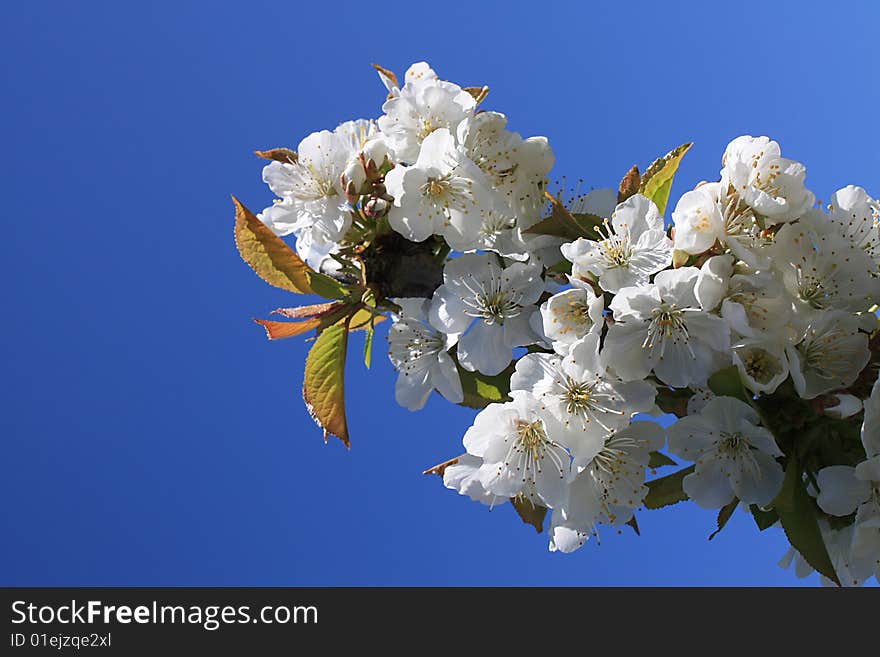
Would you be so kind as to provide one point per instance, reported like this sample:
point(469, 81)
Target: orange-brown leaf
point(629, 185)
point(278, 330)
point(268, 255)
point(300, 312)
point(388, 77)
point(529, 512)
point(478, 93)
point(440, 468)
point(278, 155)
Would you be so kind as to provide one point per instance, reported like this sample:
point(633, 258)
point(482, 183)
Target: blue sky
point(152, 436)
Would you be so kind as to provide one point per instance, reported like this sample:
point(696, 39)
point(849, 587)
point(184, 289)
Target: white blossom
point(844, 490)
point(498, 232)
point(854, 215)
point(420, 353)
point(829, 354)
point(632, 247)
point(570, 315)
point(517, 168)
point(442, 193)
point(464, 476)
point(423, 105)
point(870, 432)
point(770, 184)
point(734, 457)
point(762, 365)
point(823, 270)
point(588, 401)
point(310, 188)
point(608, 489)
point(757, 305)
point(699, 219)
point(523, 451)
point(490, 305)
point(661, 327)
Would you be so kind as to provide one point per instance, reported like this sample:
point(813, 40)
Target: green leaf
point(657, 179)
point(368, 345)
point(658, 460)
point(723, 516)
point(324, 382)
point(673, 400)
point(275, 262)
point(763, 519)
point(797, 513)
point(726, 383)
point(529, 512)
point(632, 522)
point(480, 390)
point(326, 287)
point(564, 224)
point(666, 490)
point(629, 185)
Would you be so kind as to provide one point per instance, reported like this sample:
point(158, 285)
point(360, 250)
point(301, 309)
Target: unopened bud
point(376, 207)
point(372, 170)
point(352, 194)
point(847, 406)
point(354, 175)
point(376, 149)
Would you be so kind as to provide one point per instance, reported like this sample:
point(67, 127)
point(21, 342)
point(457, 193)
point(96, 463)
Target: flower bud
point(376, 207)
point(847, 406)
point(353, 176)
point(376, 150)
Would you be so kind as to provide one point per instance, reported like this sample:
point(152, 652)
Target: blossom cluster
point(740, 336)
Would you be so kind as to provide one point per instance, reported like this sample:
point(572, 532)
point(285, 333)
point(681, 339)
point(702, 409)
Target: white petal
point(412, 389)
point(445, 378)
point(708, 486)
point(758, 482)
point(483, 349)
point(840, 492)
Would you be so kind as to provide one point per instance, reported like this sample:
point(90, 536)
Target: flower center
point(447, 190)
point(411, 344)
point(583, 399)
point(575, 312)
point(765, 181)
point(495, 223)
point(490, 301)
point(667, 325)
point(616, 247)
point(612, 458)
point(760, 365)
point(830, 354)
point(531, 436)
point(531, 449)
point(732, 445)
point(311, 183)
point(426, 127)
point(815, 284)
